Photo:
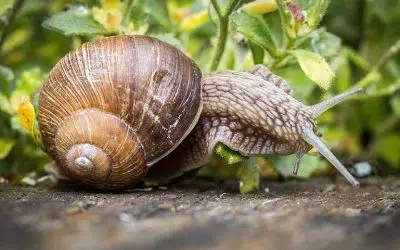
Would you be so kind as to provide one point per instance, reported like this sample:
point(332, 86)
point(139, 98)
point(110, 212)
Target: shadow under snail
point(125, 108)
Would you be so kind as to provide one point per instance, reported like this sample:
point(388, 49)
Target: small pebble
point(162, 187)
point(28, 181)
point(329, 188)
point(352, 211)
point(43, 179)
point(266, 190)
point(80, 206)
point(362, 169)
point(125, 217)
point(75, 209)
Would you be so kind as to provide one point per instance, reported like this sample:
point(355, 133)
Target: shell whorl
point(115, 106)
point(99, 150)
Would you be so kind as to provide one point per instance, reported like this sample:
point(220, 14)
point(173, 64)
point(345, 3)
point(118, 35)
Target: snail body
point(125, 108)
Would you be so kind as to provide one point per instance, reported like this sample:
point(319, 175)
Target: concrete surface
point(203, 214)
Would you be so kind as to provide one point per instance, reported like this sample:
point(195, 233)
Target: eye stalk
point(320, 108)
point(309, 136)
point(313, 138)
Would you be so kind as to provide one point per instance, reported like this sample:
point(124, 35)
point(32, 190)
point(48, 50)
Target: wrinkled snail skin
point(115, 106)
point(121, 109)
point(251, 112)
point(254, 114)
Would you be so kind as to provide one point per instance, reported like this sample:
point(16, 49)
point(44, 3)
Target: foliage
point(290, 37)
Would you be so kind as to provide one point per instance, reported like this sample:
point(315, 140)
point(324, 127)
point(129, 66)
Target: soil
point(320, 213)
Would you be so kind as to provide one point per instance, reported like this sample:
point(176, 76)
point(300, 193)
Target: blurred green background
point(359, 39)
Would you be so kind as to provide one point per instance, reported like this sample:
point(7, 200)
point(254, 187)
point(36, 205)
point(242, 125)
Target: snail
point(126, 108)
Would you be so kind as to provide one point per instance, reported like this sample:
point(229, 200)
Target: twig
point(389, 90)
point(9, 18)
point(374, 75)
point(222, 31)
point(368, 79)
point(392, 51)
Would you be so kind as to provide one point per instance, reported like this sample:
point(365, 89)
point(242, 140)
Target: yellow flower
point(109, 15)
point(261, 6)
point(194, 21)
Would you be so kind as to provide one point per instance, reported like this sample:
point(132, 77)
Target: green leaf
point(323, 43)
point(257, 53)
point(5, 147)
point(395, 103)
point(5, 105)
point(170, 39)
point(159, 12)
point(17, 125)
point(285, 16)
point(316, 11)
point(249, 176)
point(137, 13)
point(29, 81)
point(315, 67)
point(76, 21)
point(308, 165)
point(342, 68)
point(355, 58)
point(256, 29)
point(6, 78)
point(301, 84)
point(388, 149)
point(232, 157)
point(274, 22)
point(4, 5)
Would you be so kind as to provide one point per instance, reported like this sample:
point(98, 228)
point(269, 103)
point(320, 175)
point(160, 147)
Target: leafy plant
point(320, 55)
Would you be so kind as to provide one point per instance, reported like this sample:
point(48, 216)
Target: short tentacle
point(296, 167)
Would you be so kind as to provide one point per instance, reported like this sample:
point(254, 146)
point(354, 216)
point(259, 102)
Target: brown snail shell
point(115, 106)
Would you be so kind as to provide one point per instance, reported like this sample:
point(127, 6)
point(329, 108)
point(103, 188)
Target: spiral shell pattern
point(118, 104)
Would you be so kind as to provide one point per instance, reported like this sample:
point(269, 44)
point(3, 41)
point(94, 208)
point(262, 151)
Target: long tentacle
point(309, 136)
point(320, 108)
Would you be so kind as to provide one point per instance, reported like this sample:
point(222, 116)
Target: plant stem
point(217, 8)
point(231, 7)
point(222, 31)
point(368, 79)
point(219, 49)
point(374, 75)
point(389, 90)
point(392, 51)
point(127, 11)
point(9, 18)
